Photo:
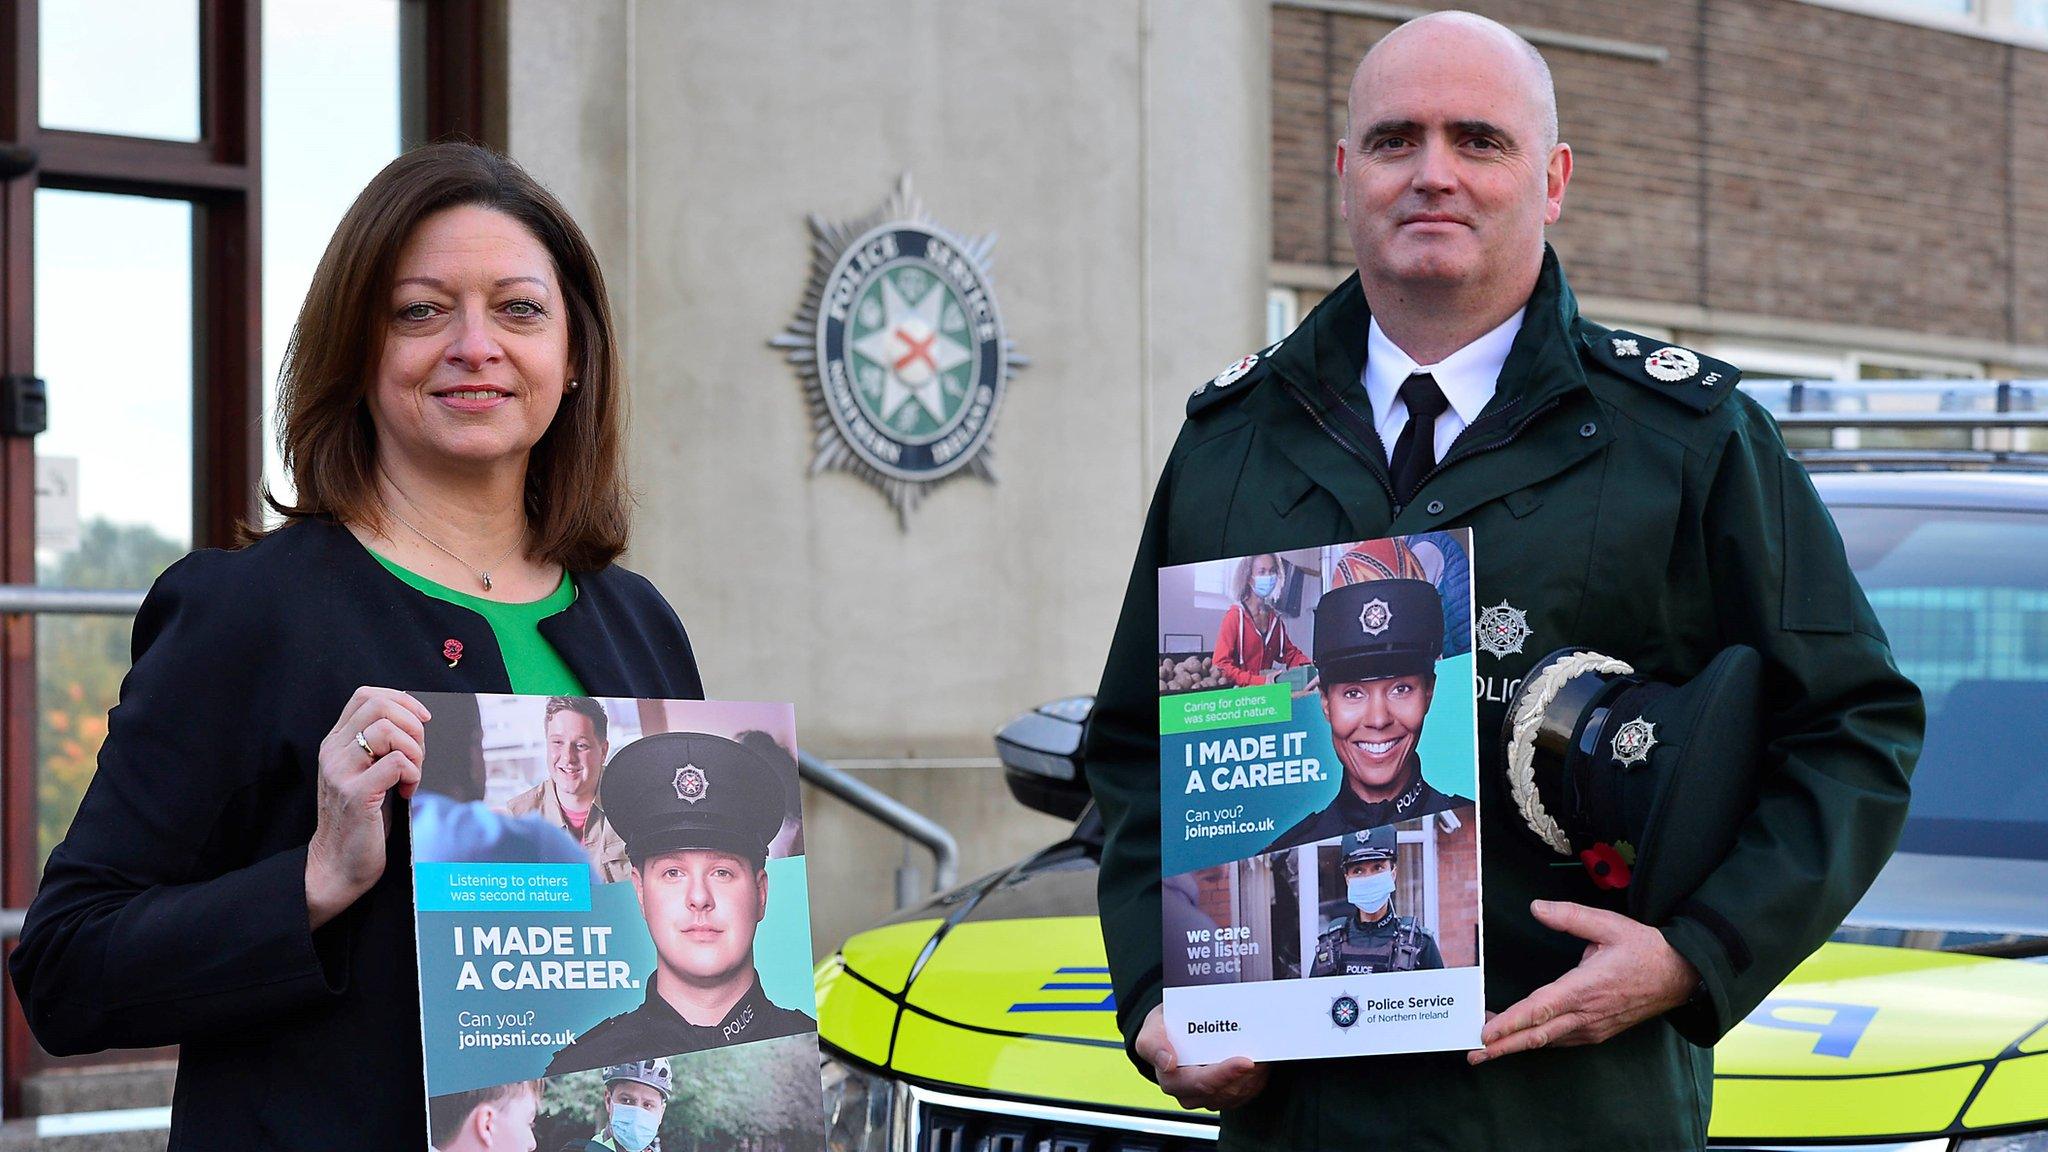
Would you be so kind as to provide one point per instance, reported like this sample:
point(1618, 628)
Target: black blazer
point(175, 910)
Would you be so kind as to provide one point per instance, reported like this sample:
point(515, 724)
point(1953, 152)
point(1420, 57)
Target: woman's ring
point(365, 746)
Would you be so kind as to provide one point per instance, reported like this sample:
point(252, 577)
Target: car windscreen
point(1963, 595)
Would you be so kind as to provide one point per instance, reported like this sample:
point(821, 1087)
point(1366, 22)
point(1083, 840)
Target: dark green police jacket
point(1655, 522)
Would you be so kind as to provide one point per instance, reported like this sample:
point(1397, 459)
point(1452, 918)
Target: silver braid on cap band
point(1522, 745)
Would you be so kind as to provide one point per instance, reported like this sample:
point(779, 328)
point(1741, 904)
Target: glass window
point(1937, 7)
point(113, 338)
point(1963, 597)
point(127, 67)
point(1281, 314)
point(330, 121)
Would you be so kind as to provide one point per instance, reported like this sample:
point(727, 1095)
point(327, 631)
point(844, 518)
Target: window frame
point(448, 73)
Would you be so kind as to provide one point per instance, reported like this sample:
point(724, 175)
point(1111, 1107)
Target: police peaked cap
point(1370, 844)
point(1378, 628)
point(1598, 754)
point(679, 790)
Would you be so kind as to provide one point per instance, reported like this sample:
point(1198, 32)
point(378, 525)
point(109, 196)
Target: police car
point(984, 1018)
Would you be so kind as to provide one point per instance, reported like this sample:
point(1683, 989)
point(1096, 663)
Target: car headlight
point(860, 1109)
point(2034, 1141)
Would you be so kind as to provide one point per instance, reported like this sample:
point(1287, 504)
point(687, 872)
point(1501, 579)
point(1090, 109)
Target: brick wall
point(1212, 894)
point(1457, 892)
point(2029, 110)
point(1785, 160)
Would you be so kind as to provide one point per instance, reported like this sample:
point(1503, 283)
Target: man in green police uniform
point(1370, 937)
point(697, 812)
point(1623, 498)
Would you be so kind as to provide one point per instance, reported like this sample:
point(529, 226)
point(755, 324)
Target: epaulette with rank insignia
point(1698, 382)
point(1232, 382)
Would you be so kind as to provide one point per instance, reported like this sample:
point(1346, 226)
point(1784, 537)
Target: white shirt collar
point(1467, 376)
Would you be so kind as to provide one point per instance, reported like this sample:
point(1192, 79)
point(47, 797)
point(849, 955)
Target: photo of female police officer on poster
point(1380, 638)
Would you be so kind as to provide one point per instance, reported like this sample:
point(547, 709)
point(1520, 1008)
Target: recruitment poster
point(1318, 742)
point(613, 924)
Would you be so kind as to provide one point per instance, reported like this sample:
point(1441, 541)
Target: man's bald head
point(1464, 32)
point(1448, 175)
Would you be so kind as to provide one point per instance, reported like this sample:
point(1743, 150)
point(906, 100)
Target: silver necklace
point(483, 574)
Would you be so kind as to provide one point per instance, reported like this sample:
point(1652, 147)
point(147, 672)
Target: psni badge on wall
point(901, 350)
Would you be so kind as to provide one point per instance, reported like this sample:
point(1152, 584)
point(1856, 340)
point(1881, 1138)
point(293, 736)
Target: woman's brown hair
point(576, 497)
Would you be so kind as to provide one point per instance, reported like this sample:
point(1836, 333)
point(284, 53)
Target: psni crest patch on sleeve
point(1697, 381)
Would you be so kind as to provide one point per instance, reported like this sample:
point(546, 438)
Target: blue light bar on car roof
point(1911, 423)
point(1950, 399)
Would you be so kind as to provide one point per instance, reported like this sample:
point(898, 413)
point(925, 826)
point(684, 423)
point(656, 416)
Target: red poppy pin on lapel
point(451, 651)
point(1609, 864)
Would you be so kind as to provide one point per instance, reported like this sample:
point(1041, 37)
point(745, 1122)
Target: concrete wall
point(1118, 148)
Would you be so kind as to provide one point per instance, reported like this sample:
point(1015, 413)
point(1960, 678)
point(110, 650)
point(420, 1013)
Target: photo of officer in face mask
point(1371, 937)
point(635, 1099)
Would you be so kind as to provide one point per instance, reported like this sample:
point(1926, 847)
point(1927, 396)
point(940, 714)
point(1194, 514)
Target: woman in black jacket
point(234, 882)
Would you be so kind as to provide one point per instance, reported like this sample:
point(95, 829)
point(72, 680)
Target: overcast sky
point(114, 273)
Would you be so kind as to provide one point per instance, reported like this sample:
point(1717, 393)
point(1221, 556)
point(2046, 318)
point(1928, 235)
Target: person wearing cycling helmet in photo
point(635, 1099)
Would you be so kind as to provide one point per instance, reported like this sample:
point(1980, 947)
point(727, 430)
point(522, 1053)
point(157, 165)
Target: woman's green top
point(533, 664)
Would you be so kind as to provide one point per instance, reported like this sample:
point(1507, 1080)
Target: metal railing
point(29, 598)
point(881, 806)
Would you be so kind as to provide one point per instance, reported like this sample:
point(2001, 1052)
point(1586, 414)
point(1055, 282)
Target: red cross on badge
point(919, 350)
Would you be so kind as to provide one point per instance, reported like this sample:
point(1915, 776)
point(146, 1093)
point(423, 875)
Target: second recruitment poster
point(1318, 742)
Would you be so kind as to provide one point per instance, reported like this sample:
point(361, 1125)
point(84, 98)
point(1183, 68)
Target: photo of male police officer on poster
point(698, 813)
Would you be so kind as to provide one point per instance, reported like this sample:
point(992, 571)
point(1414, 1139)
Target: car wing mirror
point(1041, 755)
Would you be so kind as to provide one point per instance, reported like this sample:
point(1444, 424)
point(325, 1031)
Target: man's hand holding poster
point(613, 924)
point(1320, 833)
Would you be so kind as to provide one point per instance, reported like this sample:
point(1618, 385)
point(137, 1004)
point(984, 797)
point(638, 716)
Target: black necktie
point(1415, 447)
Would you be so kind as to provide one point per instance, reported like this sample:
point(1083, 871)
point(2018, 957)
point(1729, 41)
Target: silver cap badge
point(691, 784)
point(1633, 741)
point(1375, 617)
